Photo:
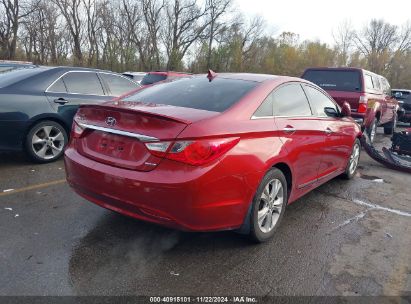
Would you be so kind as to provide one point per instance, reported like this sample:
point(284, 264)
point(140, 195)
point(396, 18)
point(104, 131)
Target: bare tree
point(185, 25)
point(216, 8)
point(344, 39)
point(14, 11)
point(375, 41)
point(153, 12)
point(71, 11)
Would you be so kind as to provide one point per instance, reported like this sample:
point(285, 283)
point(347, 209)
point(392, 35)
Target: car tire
point(268, 206)
point(45, 141)
point(389, 130)
point(353, 161)
point(372, 130)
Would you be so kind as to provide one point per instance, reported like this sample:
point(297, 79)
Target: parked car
point(404, 100)
point(37, 105)
point(227, 151)
point(136, 76)
point(368, 94)
point(154, 77)
point(6, 66)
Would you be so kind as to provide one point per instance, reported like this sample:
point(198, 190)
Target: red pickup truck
point(368, 94)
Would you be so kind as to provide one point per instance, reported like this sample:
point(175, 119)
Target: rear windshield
point(197, 93)
point(336, 80)
point(152, 78)
point(12, 76)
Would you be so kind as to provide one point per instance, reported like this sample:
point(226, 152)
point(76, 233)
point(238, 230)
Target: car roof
point(341, 69)
point(257, 77)
point(401, 90)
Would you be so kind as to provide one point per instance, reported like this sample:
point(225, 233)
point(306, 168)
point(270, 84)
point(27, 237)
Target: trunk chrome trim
point(141, 137)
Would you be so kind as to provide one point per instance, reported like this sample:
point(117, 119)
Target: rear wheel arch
point(37, 120)
point(286, 170)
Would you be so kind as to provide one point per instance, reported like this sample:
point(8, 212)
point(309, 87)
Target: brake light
point(76, 129)
point(193, 152)
point(363, 103)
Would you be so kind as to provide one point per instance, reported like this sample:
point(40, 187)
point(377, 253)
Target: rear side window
point(58, 87)
point(386, 86)
point(368, 82)
point(197, 93)
point(335, 80)
point(86, 83)
point(153, 78)
point(319, 101)
point(290, 100)
point(118, 85)
point(266, 109)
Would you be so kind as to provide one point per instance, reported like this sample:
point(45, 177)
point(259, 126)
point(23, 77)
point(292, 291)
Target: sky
point(316, 19)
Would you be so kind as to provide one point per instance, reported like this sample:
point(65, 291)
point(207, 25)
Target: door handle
point(289, 129)
point(328, 131)
point(61, 101)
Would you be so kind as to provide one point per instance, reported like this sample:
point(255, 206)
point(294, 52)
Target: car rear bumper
point(181, 197)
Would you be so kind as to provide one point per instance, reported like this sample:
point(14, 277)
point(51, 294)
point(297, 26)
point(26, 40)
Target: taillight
point(362, 106)
point(193, 152)
point(76, 129)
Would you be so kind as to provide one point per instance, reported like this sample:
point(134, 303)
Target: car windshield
point(13, 75)
point(197, 93)
point(401, 95)
point(335, 80)
point(152, 78)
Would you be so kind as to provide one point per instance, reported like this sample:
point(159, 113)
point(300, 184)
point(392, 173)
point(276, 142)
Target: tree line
point(188, 35)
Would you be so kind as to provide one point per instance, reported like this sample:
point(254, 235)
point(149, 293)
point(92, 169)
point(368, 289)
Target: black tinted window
point(266, 108)
point(58, 87)
point(337, 80)
point(118, 85)
point(290, 100)
point(152, 78)
point(319, 101)
point(197, 92)
point(83, 83)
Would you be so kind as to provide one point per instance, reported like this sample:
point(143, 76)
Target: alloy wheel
point(270, 206)
point(373, 131)
point(354, 158)
point(47, 142)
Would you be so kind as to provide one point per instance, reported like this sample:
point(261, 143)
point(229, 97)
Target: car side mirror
point(346, 109)
point(331, 112)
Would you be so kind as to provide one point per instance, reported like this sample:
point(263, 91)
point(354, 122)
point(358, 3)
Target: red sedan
point(215, 152)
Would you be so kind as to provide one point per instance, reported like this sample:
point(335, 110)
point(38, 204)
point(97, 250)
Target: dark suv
point(368, 94)
point(404, 100)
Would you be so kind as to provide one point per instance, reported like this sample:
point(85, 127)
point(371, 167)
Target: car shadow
point(121, 255)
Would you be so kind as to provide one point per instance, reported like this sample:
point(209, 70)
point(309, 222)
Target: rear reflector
point(193, 152)
point(362, 107)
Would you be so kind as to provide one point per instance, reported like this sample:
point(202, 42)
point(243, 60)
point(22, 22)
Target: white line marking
point(8, 190)
point(378, 207)
point(353, 219)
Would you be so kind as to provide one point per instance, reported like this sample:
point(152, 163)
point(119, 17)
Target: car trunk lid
point(116, 133)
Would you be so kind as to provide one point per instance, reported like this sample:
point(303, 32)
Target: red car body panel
point(217, 195)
